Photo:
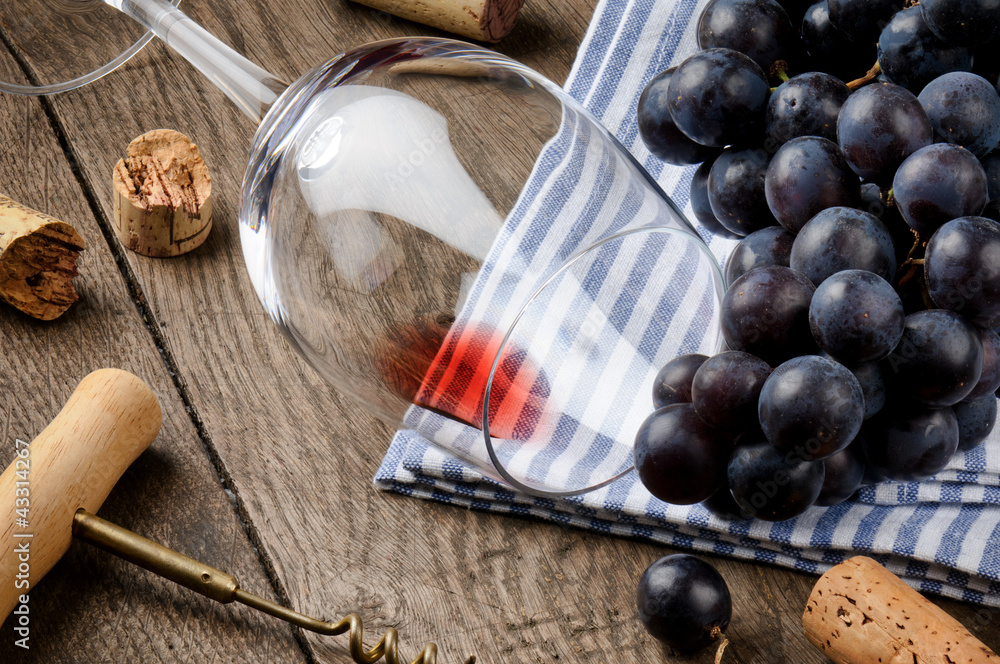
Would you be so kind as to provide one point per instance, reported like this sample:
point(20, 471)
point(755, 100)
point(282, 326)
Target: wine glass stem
point(250, 87)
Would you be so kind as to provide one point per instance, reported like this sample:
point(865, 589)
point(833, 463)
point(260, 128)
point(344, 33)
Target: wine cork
point(482, 20)
point(38, 257)
point(859, 612)
point(162, 195)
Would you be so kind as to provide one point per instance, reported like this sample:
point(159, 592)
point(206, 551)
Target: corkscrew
point(49, 492)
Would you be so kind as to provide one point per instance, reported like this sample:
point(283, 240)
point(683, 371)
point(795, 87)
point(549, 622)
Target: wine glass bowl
point(450, 238)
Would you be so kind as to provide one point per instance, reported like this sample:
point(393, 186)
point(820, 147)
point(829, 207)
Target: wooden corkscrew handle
point(110, 418)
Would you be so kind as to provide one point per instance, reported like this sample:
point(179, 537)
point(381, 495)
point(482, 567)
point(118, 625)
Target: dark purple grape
point(758, 28)
point(912, 56)
point(840, 239)
point(833, 50)
point(680, 459)
point(856, 317)
point(962, 22)
point(701, 206)
point(937, 362)
point(961, 269)
point(991, 164)
point(773, 485)
point(764, 248)
point(811, 407)
point(806, 176)
point(976, 419)
point(684, 602)
point(862, 20)
point(908, 442)
point(844, 472)
point(872, 384)
point(673, 382)
point(766, 313)
point(872, 476)
point(736, 190)
point(723, 505)
point(964, 109)
point(805, 105)
point(938, 183)
point(879, 126)
point(726, 387)
point(658, 131)
point(718, 97)
point(989, 379)
point(796, 9)
point(874, 199)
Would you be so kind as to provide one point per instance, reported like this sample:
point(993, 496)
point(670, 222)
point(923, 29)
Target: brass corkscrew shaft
point(222, 587)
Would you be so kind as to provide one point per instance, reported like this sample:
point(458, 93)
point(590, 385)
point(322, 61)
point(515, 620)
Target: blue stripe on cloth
point(941, 535)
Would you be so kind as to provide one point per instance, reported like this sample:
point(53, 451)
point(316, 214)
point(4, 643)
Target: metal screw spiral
point(387, 646)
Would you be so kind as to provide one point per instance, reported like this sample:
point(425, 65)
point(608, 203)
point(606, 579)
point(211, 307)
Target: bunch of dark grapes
point(854, 146)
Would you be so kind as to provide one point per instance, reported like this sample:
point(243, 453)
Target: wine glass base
point(52, 46)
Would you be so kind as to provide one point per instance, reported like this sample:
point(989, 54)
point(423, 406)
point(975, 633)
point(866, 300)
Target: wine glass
point(69, 43)
point(449, 238)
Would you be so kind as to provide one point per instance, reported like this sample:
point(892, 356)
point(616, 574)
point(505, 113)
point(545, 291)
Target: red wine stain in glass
point(447, 370)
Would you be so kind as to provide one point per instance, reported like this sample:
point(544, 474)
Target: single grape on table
point(684, 602)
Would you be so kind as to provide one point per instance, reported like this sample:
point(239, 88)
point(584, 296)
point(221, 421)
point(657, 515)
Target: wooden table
point(260, 468)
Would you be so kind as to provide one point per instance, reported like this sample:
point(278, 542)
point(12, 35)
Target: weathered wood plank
point(301, 457)
point(93, 607)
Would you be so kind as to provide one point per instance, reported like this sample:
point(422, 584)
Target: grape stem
point(779, 70)
point(722, 648)
point(917, 244)
point(872, 74)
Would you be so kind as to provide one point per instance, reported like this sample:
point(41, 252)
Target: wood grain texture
point(91, 607)
point(299, 457)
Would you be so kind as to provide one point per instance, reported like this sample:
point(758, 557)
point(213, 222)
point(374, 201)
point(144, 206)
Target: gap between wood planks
point(159, 340)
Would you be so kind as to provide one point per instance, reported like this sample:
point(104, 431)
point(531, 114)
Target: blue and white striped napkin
point(941, 535)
